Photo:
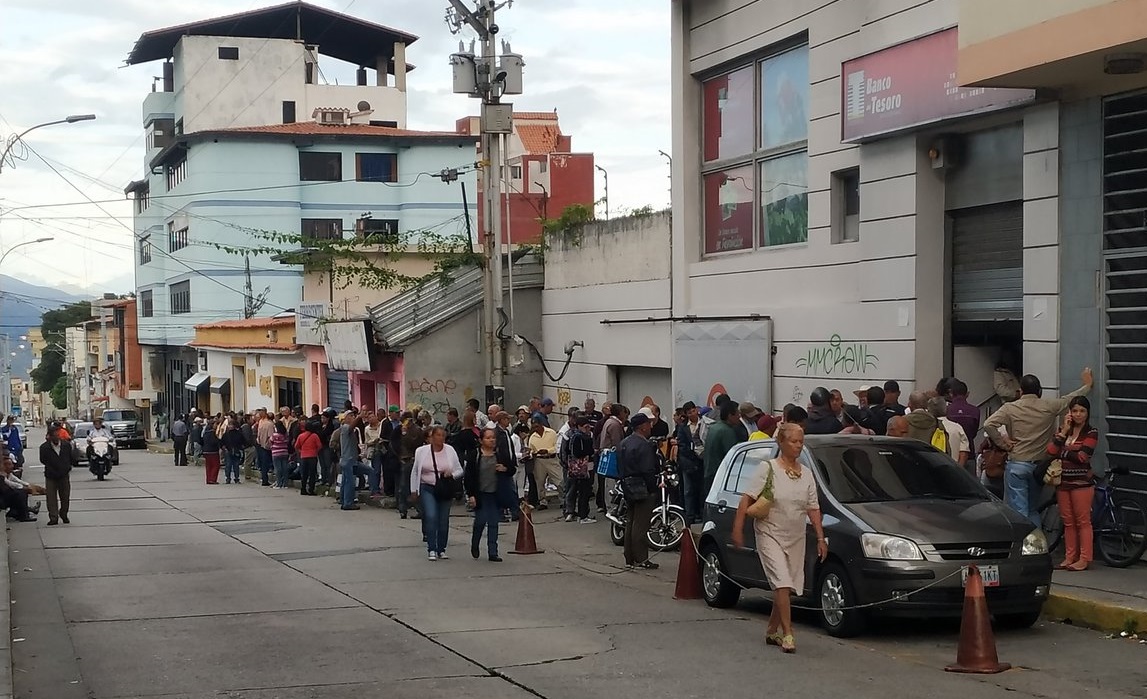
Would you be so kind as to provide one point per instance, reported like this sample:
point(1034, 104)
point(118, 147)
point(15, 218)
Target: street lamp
point(16, 139)
point(545, 200)
point(606, 176)
point(20, 245)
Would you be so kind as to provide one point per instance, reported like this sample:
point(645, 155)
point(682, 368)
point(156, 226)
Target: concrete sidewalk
point(1104, 598)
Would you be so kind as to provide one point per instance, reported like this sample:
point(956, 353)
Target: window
point(146, 304)
point(176, 237)
point(142, 199)
point(382, 231)
point(846, 206)
point(320, 167)
point(376, 167)
point(228, 53)
point(322, 229)
point(145, 250)
point(384, 122)
point(755, 147)
point(180, 297)
point(515, 172)
point(160, 133)
point(176, 171)
point(288, 112)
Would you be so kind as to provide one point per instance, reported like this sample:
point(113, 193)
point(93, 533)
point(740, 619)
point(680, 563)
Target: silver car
point(903, 522)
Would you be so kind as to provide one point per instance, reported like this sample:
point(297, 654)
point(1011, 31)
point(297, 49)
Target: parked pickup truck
point(126, 428)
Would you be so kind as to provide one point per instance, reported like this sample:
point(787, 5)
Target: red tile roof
point(247, 346)
point(284, 322)
point(538, 139)
point(548, 116)
point(311, 128)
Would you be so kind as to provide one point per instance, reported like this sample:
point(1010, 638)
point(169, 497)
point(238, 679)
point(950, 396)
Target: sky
point(605, 70)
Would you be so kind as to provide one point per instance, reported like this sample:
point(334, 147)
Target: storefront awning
point(221, 386)
point(197, 381)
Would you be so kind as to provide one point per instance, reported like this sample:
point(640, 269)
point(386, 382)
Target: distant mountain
point(21, 305)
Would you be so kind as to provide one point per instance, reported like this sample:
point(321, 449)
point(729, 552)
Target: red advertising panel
point(910, 85)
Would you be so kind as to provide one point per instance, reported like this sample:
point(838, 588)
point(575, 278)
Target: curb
point(6, 690)
point(1094, 614)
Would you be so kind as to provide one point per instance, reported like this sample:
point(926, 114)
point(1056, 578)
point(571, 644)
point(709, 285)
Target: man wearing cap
point(749, 415)
point(637, 466)
point(892, 398)
point(612, 433)
point(542, 414)
point(862, 396)
point(821, 419)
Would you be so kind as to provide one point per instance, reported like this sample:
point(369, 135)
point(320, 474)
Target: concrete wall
point(981, 20)
point(265, 366)
point(615, 270)
point(445, 369)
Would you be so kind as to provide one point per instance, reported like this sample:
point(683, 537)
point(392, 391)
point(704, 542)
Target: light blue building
point(244, 143)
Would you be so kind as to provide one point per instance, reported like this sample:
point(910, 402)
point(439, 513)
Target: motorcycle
point(100, 461)
point(667, 526)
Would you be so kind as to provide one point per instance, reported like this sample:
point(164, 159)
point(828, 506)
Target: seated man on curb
point(14, 493)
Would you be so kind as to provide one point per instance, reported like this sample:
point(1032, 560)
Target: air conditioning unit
point(202, 360)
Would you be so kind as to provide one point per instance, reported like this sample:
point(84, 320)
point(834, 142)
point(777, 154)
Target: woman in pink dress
point(780, 537)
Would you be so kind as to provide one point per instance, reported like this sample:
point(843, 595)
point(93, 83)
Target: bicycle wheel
point(1052, 524)
point(1121, 536)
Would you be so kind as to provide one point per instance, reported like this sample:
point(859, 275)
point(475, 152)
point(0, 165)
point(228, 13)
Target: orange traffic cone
point(525, 544)
point(688, 571)
point(977, 650)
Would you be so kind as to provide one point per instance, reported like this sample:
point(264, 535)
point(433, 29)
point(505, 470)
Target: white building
point(245, 143)
point(910, 190)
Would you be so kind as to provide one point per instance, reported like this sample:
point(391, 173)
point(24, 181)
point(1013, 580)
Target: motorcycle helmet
point(820, 397)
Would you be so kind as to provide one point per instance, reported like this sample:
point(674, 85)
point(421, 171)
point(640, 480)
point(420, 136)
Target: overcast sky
point(605, 69)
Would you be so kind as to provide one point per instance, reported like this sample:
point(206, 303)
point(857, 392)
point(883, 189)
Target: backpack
point(940, 440)
point(335, 444)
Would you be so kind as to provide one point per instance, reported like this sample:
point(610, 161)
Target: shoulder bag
point(444, 488)
point(760, 507)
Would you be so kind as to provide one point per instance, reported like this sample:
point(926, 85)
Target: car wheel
point(719, 589)
point(1018, 620)
point(836, 595)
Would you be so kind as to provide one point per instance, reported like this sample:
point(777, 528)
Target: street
point(163, 586)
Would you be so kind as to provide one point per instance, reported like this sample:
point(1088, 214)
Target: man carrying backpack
point(923, 425)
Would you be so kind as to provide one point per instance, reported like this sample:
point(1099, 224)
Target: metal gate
point(338, 389)
point(988, 263)
point(1125, 266)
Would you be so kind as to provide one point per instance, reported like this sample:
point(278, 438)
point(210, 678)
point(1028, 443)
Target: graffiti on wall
point(838, 358)
point(436, 395)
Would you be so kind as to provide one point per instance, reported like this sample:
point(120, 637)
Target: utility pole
point(104, 366)
point(605, 175)
point(486, 78)
point(6, 388)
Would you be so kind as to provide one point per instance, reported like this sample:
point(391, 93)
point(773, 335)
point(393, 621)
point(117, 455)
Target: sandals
point(789, 644)
point(1078, 566)
point(774, 639)
point(1064, 564)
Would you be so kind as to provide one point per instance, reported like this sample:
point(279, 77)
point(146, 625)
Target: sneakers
point(432, 556)
point(589, 520)
point(571, 518)
point(442, 556)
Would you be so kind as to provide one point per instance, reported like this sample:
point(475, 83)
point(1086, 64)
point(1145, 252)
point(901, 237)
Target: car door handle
point(722, 506)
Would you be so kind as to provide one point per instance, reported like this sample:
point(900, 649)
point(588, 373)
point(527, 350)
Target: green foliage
point(1130, 626)
point(786, 220)
point(643, 211)
point(568, 225)
point(52, 324)
point(59, 393)
point(369, 264)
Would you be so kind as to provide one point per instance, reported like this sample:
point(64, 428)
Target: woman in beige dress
point(780, 537)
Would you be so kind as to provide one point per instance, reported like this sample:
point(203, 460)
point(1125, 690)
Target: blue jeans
point(281, 471)
point(264, 461)
point(1021, 490)
point(376, 472)
point(487, 516)
point(231, 468)
point(692, 484)
point(350, 469)
point(435, 519)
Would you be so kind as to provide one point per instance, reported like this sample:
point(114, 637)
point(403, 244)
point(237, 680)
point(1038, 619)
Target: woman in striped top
point(1074, 445)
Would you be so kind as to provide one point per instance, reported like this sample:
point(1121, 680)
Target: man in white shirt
point(959, 448)
point(100, 430)
point(481, 420)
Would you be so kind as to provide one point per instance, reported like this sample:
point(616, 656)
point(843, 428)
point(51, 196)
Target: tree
point(59, 392)
point(52, 324)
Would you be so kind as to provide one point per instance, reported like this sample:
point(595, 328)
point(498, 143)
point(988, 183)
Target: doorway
point(289, 392)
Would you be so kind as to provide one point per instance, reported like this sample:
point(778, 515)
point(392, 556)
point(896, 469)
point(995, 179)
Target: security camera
point(572, 345)
point(494, 29)
point(500, 77)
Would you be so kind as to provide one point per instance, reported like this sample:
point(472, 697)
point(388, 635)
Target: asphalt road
point(164, 587)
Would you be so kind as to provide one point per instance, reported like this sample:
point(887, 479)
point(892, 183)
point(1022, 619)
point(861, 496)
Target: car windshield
point(885, 472)
point(119, 415)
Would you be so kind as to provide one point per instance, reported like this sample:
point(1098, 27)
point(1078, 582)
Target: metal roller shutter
point(988, 263)
point(1125, 266)
point(338, 389)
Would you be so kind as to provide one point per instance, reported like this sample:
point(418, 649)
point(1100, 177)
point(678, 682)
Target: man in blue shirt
point(10, 433)
point(542, 414)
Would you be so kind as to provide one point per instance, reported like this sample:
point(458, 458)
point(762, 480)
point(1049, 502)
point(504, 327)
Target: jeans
point(350, 469)
point(569, 499)
point(692, 482)
point(376, 473)
point(180, 450)
point(196, 452)
point(266, 463)
point(1021, 490)
point(581, 490)
point(281, 471)
point(435, 519)
point(403, 491)
point(309, 475)
point(231, 469)
point(326, 466)
point(487, 516)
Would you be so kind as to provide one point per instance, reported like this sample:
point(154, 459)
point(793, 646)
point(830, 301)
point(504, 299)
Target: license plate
point(989, 574)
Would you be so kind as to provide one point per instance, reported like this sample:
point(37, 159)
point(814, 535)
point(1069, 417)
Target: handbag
point(1053, 475)
point(444, 488)
point(635, 488)
point(759, 509)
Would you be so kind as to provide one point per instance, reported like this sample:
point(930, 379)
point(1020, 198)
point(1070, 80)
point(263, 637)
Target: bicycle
point(1119, 522)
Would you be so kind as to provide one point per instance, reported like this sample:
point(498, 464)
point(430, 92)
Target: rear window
point(888, 472)
point(119, 415)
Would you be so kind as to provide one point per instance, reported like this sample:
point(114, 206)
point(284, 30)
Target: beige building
point(911, 190)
